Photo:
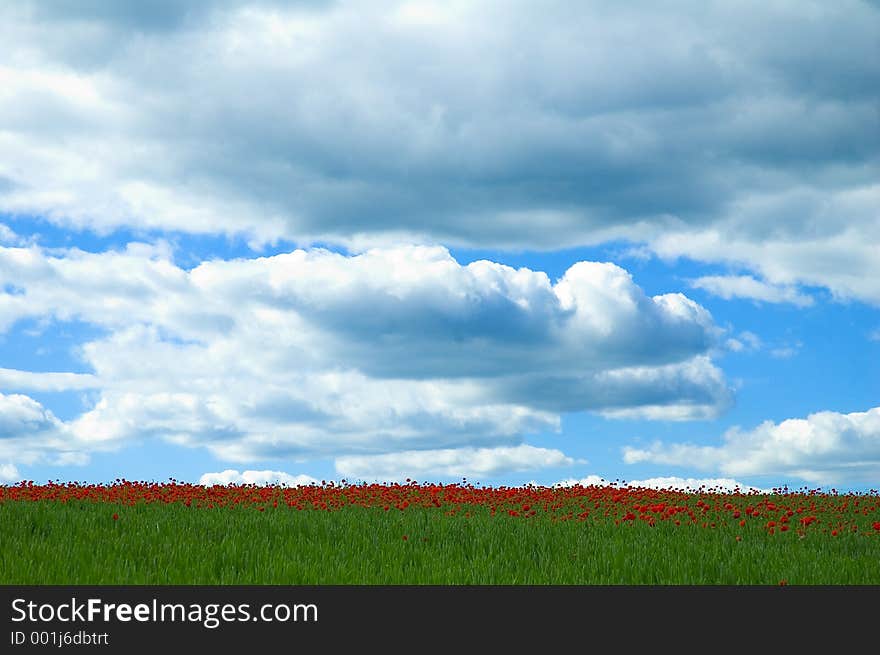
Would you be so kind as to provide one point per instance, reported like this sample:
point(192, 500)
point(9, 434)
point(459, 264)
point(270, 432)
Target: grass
point(78, 542)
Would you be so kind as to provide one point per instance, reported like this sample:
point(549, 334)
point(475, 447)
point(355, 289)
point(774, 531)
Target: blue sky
point(286, 241)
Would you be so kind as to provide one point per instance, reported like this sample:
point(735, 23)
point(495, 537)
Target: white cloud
point(13, 379)
point(825, 448)
point(450, 462)
point(817, 246)
point(750, 342)
point(734, 345)
point(313, 353)
point(744, 341)
point(30, 433)
point(231, 476)
point(693, 129)
point(745, 286)
point(9, 474)
point(7, 236)
point(874, 335)
point(698, 385)
point(785, 352)
point(709, 485)
point(20, 415)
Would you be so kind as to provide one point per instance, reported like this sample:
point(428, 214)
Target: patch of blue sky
point(188, 250)
point(47, 345)
point(810, 359)
point(157, 461)
point(39, 346)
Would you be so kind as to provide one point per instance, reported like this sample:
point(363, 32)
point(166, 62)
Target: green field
point(79, 543)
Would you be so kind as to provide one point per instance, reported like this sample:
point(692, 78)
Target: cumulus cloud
point(710, 485)
point(813, 245)
point(20, 415)
point(315, 353)
point(9, 474)
point(450, 462)
point(7, 235)
point(824, 448)
point(231, 476)
point(745, 286)
point(737, 132)
point(30, 433)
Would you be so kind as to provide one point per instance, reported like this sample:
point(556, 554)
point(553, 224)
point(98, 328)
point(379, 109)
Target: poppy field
point(178, 533)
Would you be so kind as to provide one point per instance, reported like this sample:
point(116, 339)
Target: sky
point(502, 242)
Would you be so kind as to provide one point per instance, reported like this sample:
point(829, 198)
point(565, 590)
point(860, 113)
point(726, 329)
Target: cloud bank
point(314, 353)
point(740, 133)
point(470, 463)
point(824, 448)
